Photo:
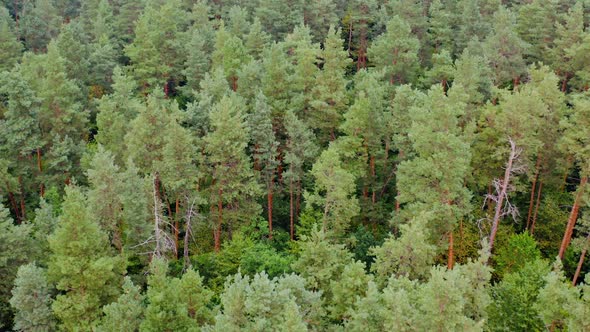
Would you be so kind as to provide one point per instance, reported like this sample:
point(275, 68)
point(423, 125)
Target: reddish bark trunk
point(580, 263)
point(291, 215)
point(571, 222)
point(536, 207)
point(564, 83)
point(219, 221)
point(533, 187)
point(451, 255)
point(176, 225)
point(269, 207)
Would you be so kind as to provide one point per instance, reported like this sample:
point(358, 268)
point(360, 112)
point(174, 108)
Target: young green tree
point(32, 298)
point(126, 313)
point(175, 304)
point(81, 265)
point(40, 23)
point(305, 55)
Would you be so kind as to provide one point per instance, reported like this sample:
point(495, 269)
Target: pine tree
point(230, 166)
point(276, 80)
point(339, 204)
point(10, 46)
point(505, 49)
point(299, 149)
point(256, 40)
point(40, 23)
point(175, 304)
point(15, 249)
point(115, 112)
point(126, 313)
point(32, 298)
point(81, 265)
point(396, 52)
point(264, 150)
point(156, 53)
point(329, 94)
point(305, 54)
point(569, 36)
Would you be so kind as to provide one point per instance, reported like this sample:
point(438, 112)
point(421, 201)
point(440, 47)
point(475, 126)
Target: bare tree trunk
point(503, 191)
point(176, 225)
point(571, 222)
point(188, 231)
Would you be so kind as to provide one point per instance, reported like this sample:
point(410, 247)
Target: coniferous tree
point(396, 52)
point(32, 298)
point(81, 265)
point(127, 312)
point(10, 46)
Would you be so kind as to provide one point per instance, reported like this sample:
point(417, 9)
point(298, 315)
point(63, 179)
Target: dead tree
point(502, 189)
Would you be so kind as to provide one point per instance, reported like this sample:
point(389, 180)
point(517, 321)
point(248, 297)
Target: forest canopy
point(294, 165)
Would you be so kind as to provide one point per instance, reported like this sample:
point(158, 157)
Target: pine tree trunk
point(219, 221)
point(269, 198)
point(451, 255)
point(23, 211)
point(564, 83)
point(157, 234)
point(571, 222)
point(176, 225)
point(536, 208)
point(40, 168)
point(581, 262)
point(291, 215)
point(533, 187)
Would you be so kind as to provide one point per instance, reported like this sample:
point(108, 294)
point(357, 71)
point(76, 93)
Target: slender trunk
point(571, 222)
point(569, 161)
point(157, 234)
point(234, 83)
point(397, 207)
point(533, 187)
point(501, 195)
point(187, 234)
point(291, 215)
point(269, 198)
point(580, 262)
point(536, 208)
point(23, 212)
point(564, 83)
point(13, 202)
point(451, 255)
point(219, 221)
point(40, 168)
point(516, 81)
point(166, 89)
point(350, 37)
point(176, 225)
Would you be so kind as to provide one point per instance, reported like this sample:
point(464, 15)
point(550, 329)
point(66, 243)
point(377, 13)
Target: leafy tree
point(518, 251)
point(81, 265)
point(32, 298)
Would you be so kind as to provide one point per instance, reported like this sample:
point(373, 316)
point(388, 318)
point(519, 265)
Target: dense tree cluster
point(330, 165)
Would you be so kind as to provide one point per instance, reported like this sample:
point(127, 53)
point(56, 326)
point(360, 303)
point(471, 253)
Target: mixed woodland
point(294, 165)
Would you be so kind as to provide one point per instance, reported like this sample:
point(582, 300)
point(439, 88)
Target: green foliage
point(516, 253)
point(32, 298)
point(81, 265)
point(127, 312)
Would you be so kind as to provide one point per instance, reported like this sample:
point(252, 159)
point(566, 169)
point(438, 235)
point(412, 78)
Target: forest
point(294, 165)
